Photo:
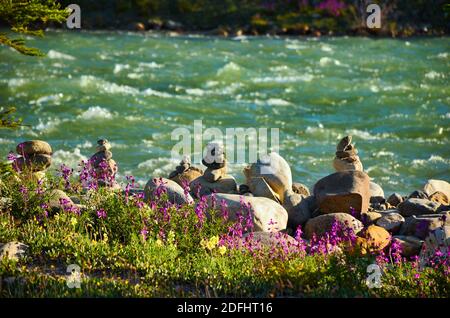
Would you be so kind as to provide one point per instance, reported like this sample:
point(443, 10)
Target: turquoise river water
point(392, 95)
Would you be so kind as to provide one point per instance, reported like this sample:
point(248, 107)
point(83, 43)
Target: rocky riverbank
point(418, 223)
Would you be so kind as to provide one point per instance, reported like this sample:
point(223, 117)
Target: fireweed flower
point(224, 209)
point(144, 233)
point(66, 172)
point(101, 214)
point(130, 184)
point(11, 156)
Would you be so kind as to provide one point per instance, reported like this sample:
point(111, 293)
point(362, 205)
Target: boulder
point(13, 250)
point(174, 191)
point(267, 215)
point(433, 186)
point(260, 188)
point(368, 218)
point(60, 201)
point(410, 245)
point(439, 198)
point(272, 239)
point(391, 222)
point(297, 208)
point(421, 226)
point(373, 239)
point(414, 206)
point(418, 195)
point(35, 162)
point(341, 191)
point(274, 170)
point(185, 173)
point(214, 175)
point(323, 223)
point(300, 188)
point(226, 184)
point(394, 199)
point(32, 147)
point(438, 240)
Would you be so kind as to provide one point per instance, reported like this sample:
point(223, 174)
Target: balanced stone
point(32, 147)
point(342, 191)
point(174, 191)
point(184, 172)
point(267, 215)
point(226, 184)
point(347, 156)
point(34, 162)
point(274, 171)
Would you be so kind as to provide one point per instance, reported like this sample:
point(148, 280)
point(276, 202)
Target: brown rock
point(410, 245)
point(439, 197)
point(297, 208)
point(31, 147)
point(370, 217)
point(341, 191)
point(300, 189)
point(420, 226)
point(323, 223)
point(226, 184)
point(391, 222)
point(373, 239)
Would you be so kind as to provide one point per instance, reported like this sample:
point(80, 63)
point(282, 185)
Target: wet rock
point(300, 188)
point(410, 245)
point(394, 199)
point(13, 250)
point(439, 198)
point(346, 156)
point(174, 191)
point(433, 186)
point(297, 207)
point(28, 148)
point(421, 226)
point(323, 223)
point(391, 222)
point(341, 191)
point(414, 206)
point(274, 170)
point(267, 215)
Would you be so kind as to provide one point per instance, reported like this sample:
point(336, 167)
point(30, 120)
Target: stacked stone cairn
point(185, 173)
point(104, 166)
point(215, 177)
point(35, 156)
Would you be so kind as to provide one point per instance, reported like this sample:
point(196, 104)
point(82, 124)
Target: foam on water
point(92, 82)
point(96, 112)
point(70, 158)
point(60, 56)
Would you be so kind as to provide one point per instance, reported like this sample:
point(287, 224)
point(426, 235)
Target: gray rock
point(414, 206)
point(267, 215)
point(341, 191)
point(274, 170)
point(433, 186)
point(421, 226)
point(13, 250)
point(410, 245)
point(437, 240)
point(59, 201)
point(227, 184)
point(418, 195)
point(323, 223)
point(391, 222)
point(297, 208)
point(175, 192)
point(395, 199)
